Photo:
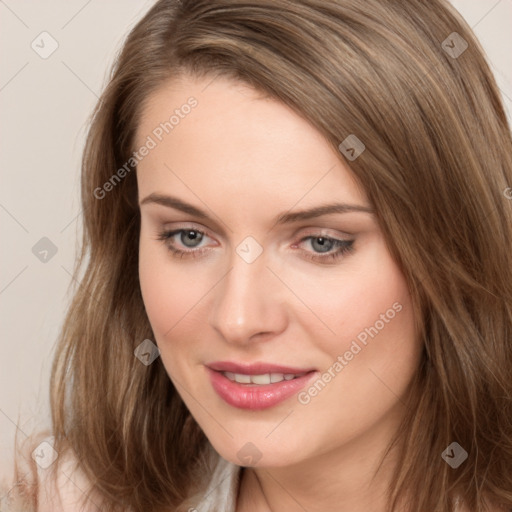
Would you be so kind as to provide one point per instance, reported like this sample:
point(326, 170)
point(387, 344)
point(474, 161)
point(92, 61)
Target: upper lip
point(258, 368)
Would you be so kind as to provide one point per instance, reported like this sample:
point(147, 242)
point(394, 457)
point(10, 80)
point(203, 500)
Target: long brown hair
point(410, 80)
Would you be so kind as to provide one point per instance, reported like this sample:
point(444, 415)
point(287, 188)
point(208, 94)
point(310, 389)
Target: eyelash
point(343, 246)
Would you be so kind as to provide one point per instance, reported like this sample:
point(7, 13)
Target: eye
point(190, 237)
point(184, 242)
point(187, 242)
point(322, 244)
point(326, 249)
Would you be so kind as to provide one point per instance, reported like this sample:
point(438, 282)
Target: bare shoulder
point(63, 487)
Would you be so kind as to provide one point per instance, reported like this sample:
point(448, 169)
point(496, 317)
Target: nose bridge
point(246, 303)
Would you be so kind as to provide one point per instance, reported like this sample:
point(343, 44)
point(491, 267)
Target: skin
point(245, 160)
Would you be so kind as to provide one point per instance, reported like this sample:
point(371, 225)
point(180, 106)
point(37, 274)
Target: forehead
point(235, 142)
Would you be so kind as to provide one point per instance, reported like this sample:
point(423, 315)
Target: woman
point(299, 291)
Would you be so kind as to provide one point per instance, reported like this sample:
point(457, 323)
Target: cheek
point(371, 358)
point(365, 297)
point(164, 292)
point(159, 298)
point(174, 300)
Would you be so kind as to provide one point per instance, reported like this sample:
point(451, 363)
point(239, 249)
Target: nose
point(249, 303)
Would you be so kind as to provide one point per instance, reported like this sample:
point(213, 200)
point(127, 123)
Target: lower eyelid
point(339, 251)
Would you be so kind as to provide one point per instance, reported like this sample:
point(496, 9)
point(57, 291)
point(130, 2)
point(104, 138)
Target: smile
point(257, 391)
point(263, 379)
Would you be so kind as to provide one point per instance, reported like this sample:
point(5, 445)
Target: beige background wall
point(45, 101)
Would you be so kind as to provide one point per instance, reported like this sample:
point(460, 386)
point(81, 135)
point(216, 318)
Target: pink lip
point(253, 396)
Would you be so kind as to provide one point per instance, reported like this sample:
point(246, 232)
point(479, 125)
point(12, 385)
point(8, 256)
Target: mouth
point(262, 379)
point(257, 386)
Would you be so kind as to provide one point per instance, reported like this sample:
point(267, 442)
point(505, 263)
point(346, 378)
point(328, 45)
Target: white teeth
point(229, 375)
point(260, 379)
point(242, 379)
point(266, 378)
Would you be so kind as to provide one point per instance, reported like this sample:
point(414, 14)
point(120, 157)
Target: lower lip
point(253, 396)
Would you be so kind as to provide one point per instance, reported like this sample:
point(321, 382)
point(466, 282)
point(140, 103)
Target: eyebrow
point(284, 218)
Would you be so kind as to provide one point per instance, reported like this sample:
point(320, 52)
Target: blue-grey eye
point(321, 244)
point(191, 238)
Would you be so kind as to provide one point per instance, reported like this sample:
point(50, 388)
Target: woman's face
point(263, 277)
